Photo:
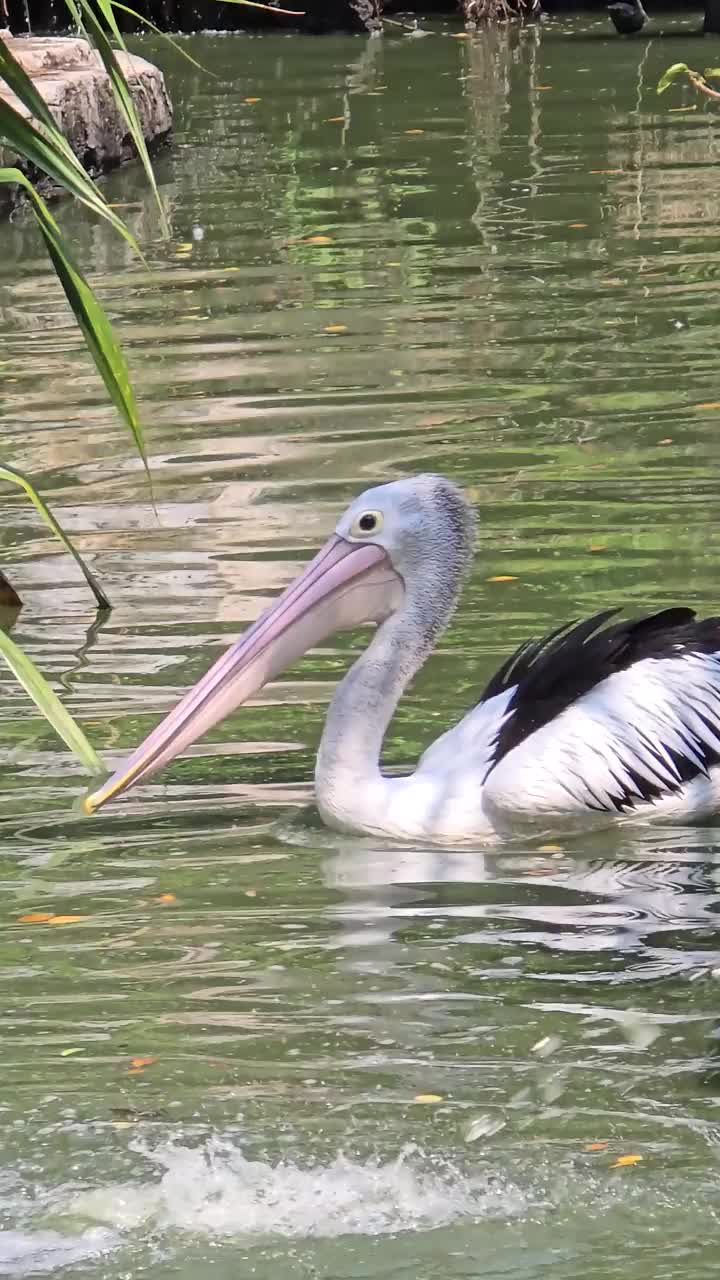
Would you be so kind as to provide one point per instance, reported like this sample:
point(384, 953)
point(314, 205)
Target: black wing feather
point(553, 673)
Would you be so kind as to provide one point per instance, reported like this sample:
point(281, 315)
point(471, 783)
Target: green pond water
point(501, 262)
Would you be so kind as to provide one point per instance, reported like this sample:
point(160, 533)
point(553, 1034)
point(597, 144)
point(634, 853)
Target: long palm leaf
point(17, 79)
point(17, 478)
point(46, 154)
point(47, 701)
point(165, 35)
point(253, 4)
point(85, 14)
point(96, 328)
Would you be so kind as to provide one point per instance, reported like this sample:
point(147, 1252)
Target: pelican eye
point(368, 522)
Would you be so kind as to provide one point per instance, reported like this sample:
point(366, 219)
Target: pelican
point(601, 721)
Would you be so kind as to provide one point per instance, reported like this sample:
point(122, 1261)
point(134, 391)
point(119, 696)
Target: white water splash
point(216, 1190)
point(31, 1253)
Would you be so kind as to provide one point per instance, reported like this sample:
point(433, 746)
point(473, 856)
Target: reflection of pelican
point(356, 865)
point(594, 722)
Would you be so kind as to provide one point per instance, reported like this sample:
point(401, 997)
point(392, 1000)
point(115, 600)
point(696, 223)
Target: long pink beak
point(347, 583)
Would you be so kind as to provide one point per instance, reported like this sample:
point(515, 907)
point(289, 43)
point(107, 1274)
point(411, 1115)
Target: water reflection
point(558, 900)
point(509, 279)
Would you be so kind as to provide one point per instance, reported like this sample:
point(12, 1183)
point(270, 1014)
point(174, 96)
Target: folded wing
point(609, 719)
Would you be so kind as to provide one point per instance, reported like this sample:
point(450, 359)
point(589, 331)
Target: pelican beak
point(347, 583)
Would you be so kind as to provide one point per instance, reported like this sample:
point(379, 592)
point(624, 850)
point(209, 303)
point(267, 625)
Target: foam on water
point(216, 1190)
point(25, 1253)
point(185, 1199)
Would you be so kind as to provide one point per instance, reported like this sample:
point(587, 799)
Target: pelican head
point(400, 548)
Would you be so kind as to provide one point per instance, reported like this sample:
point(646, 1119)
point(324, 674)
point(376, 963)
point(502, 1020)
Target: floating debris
point(546, 1046)
point(483, 1127)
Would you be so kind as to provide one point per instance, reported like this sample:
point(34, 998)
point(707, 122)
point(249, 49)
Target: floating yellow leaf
point(66, 919)
point(542, 88)
point(334, 119)
point(251, 893)
point(138, 1063)
point(595, 1146)
point(414, 130)
point(576, 226)
point(710, 404)
point(502, 577)
point(550, 848)
point(166, 897)
point(318, 239)
point(335, 328)
point(459, 35)
point(623, 1161)
point(36, 917)
point(427, 1098)
point(606, 171)
point(667, 440)
point(252, 99)
point(598, 546)
point(68, 1053)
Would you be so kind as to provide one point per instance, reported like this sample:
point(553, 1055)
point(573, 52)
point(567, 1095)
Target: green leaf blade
point(44, 153)
point(672, 73)
point(94, 324)
point(271, 8)
point(165, 35)
point(17, 79)
point(12, 476)
point(48, 703)
point(85, 11)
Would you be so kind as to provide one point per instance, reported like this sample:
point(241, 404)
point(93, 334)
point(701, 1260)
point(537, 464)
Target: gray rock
point(72, 80)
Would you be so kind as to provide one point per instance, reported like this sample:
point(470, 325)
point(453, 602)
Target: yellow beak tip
point(89, 804)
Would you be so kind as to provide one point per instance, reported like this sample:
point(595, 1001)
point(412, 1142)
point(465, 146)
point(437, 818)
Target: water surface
point(256, 1048)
